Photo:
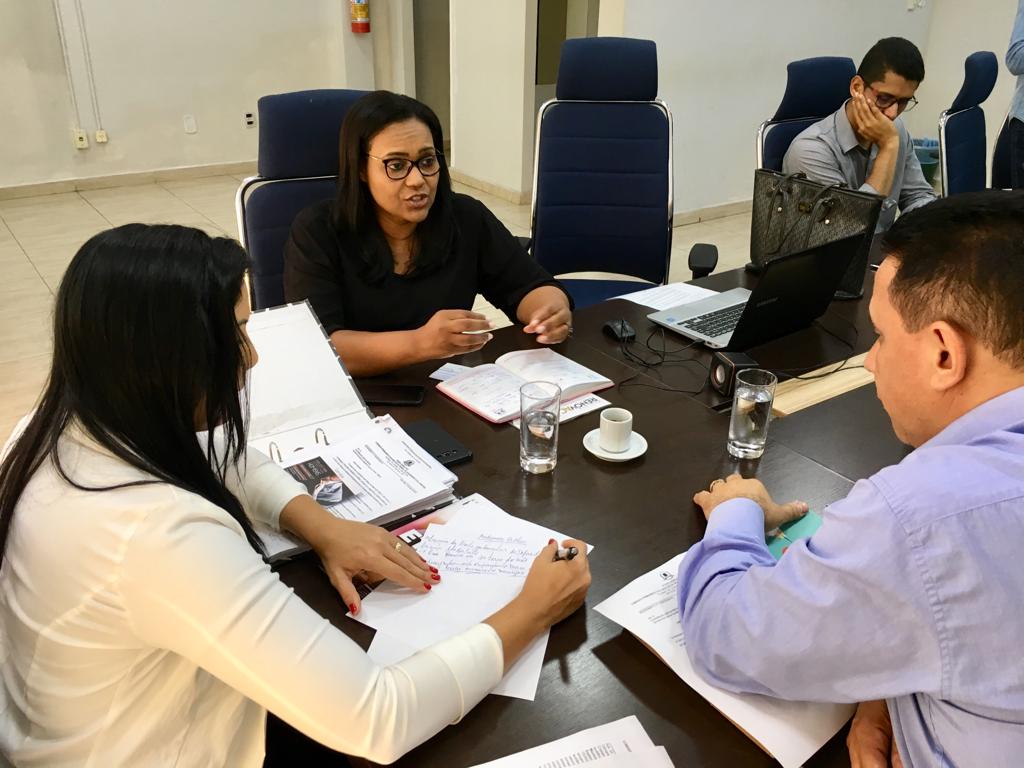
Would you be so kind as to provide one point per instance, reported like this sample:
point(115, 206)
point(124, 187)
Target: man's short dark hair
point(892, 54)
point(961, 260)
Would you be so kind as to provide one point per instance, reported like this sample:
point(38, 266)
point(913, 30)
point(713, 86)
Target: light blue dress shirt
point(912, 591)
point(1015, 62)
point(828, 152)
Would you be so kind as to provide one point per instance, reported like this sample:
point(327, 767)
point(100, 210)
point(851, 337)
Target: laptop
point(793, 291)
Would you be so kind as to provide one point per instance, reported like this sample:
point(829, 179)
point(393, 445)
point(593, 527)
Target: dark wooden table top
point(637, 515)
point(849, 434)
point(843, 331)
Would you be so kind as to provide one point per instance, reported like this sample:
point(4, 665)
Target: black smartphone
point(391, 394)
point(437, 442)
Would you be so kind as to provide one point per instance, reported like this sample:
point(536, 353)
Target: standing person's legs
point(1016, 153)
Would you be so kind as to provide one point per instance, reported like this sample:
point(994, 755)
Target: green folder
point(792, 532)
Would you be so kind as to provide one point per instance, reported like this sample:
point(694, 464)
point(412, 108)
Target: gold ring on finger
point(398, 546)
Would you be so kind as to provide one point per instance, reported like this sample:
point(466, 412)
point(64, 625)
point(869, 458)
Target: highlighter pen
point(565, 554)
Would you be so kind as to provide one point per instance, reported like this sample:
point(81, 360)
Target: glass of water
point(540, 402)
point(751, 413)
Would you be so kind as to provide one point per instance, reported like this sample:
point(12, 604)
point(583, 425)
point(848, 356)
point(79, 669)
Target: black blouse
point(488, 259)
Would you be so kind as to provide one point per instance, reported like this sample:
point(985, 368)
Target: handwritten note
point(478, 553)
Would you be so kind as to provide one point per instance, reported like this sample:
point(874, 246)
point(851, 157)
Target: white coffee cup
point(616, 429)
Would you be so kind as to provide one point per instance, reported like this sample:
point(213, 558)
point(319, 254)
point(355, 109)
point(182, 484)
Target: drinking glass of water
point(751, 412)
point(540, 402)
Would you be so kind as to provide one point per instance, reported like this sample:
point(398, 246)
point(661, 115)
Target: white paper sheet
point(619, 743)
point(667, 296)
point(790, 731)
point(483, 554)
point(448, 370)
point(520, 682)
point(372, 475)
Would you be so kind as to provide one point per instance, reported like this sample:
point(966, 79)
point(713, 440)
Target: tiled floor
point(39, 235)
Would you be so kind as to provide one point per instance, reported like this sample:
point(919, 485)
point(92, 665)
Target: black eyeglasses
point(884, 101)
point(397, 168)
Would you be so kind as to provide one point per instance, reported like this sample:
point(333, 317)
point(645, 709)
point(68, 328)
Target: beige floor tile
point(21, 382)
point(26, 335)
point(149, 203)
point(29, 203)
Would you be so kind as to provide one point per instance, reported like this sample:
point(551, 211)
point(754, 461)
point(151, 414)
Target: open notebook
point(492, 390)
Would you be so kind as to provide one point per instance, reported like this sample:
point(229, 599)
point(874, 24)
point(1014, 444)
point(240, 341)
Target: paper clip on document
point(319, 437)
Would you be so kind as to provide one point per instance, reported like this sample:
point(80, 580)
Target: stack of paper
point(377, 475)
point(483, 554)
point(622, 744)
point(789, 731)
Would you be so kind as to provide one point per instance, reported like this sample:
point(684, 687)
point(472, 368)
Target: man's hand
point(736, 487)
point(870, 124)
point(870, 741)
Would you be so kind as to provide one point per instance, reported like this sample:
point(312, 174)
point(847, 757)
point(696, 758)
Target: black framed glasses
point(884, 101)
point(397, 168)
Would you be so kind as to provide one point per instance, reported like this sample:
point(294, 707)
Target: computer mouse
point(620, 330)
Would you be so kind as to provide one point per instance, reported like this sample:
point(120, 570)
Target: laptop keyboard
point(712, 324)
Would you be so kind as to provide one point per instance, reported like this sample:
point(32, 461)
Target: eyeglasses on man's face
point(885, 100)
point(397, 168)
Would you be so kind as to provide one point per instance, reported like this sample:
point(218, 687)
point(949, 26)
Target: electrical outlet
point(81, 139)
point(249, 120)
point(101, 136)
point(190, 124)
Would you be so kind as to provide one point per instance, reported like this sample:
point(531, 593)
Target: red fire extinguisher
point(360, 12)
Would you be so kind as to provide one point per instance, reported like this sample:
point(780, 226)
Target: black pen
point(565, 554)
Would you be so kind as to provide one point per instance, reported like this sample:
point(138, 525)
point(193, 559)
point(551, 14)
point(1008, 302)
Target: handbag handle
point(783, 189)
point(819, 201)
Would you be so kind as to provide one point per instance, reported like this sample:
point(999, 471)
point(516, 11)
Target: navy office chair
point(602, 177)
point(962, 146)
point(815, 88)
point(1001, 158)
point(297, 166)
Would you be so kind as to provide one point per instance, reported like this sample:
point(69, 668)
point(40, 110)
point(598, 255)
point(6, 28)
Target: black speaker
point(724, 367)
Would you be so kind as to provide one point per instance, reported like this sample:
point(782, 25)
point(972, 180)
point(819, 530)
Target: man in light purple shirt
point(910, 597)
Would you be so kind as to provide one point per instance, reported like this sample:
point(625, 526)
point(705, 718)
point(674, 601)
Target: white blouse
point(138, 627)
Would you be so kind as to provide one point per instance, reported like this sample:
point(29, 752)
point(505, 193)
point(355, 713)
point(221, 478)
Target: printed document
point(620, 744)
point(791, 732)
point(667, 296)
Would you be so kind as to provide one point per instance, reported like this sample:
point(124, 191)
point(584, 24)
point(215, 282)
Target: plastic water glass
point(751, 413)
point(540, 402)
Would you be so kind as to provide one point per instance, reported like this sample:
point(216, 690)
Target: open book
point(492, 390)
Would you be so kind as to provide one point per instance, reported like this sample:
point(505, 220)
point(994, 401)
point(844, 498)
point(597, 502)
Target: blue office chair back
point(815, 88)
point(962, 146)
point(297, 166)
point(1001, 174)
point(602, 187)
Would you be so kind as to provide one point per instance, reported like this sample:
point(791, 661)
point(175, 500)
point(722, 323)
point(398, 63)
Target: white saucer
point(637, 446)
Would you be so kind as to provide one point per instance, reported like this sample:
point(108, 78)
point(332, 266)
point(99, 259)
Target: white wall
point(493, 60)
point(959, 29)
point(154, 63)
point(722, 70)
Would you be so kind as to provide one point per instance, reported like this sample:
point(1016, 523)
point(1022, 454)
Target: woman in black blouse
point(393, 265)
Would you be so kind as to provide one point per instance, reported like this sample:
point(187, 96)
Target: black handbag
point(792, 213)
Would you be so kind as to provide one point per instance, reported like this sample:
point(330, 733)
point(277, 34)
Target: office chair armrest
point(702, 260)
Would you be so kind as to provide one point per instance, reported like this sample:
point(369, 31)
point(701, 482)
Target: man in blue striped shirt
point(910, 597)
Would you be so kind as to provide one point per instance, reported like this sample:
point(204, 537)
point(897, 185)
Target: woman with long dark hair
point(393, 265)
point(139, 622)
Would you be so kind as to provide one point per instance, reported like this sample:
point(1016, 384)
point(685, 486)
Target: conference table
point(637, 515)
point(844, 331)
